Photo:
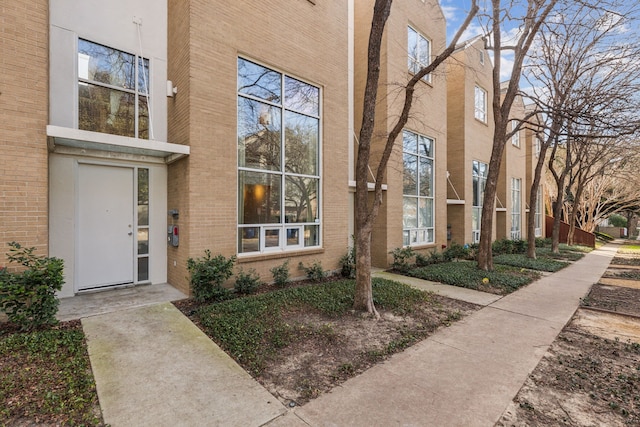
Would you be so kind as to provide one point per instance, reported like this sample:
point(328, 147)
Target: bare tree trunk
point(533, 205)
point(574, 213)
point(365, 210)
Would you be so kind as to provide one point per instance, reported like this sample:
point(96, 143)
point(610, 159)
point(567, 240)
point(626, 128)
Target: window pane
point(410, 177)
point(409, 212)
point(409, 142)
point(475, 218)
point(249, 239)
point(301, 97)
point(106, 110)
point(259, 198)
point(259, 133)
point(259, 81)
point(412, 49)
point(293, 236)
point(143, 117)
point(301, 144)
point(143, 196)
point(426, 177)
point(143, 76)
point(143, 241)
point(426, 145)
point(476, 191)
point(301, 199)
point(105, 65)
point(405, 238)
point(423, 51)
point(425, 218)
point(311, 235)
point(272, 238)
point(143, 269)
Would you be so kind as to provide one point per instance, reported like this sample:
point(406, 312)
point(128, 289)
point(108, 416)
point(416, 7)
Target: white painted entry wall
point(95, 244)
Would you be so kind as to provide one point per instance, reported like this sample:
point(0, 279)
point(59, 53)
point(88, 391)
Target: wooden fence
point(580, 237)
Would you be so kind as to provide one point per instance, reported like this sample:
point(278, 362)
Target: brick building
point(137, 134)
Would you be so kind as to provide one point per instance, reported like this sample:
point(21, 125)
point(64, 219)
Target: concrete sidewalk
point(153, 367)
point(467, 374)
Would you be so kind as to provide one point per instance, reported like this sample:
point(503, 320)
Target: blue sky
point(455, 11)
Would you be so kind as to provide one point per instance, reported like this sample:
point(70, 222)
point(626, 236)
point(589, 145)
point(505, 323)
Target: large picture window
point(278, 161)
point(479, 177)
point(418, 190)
point(419, 50)
point(112, 91)
point(516, 208)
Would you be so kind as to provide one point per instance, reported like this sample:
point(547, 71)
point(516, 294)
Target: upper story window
point(278, 161)
point(515, 139)
point(113, 89)
point(537, 146)
point(481, 56)
point(419, 51)
point(418, 191)
point(480, 104)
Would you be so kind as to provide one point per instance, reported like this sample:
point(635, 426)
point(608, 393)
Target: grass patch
point(630, 248)
point(45, 375)
point(253, 329)
point(565, 254)
point(522, 261)
point(503, 280)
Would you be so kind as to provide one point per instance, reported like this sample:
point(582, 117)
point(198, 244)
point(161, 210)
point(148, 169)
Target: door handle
point(130, 233)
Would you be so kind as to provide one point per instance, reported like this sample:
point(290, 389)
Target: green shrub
point(281, 274)
point(617, 220)
point(348, 263)
point(507, 246)
point(456, 251)
point(314, 272)
point(543, 242)
point(247, 283)
point(208, 274)
point(402, 258)
point(423, 260)
point(28, 297)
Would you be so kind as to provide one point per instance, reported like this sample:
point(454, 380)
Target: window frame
point(298, 229)
point(515, 138)
point(416, 60)
point(419, 235)
point(137, 91)
point(516, 208)
point(538, 213)
point(480, 112)
point(478, 183)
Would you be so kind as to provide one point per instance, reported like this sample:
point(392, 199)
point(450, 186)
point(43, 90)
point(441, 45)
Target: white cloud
point(449, 12)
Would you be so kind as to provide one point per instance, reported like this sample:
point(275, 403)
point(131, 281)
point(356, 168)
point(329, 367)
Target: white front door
point(105, 233)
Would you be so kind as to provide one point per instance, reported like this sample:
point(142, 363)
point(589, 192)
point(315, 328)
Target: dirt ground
point(590, 376)
point(333, 351)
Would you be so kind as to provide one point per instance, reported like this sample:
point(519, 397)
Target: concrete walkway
point(467, 374)
point(153, 367)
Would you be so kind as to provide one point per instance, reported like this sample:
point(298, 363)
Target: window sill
point(244, 258)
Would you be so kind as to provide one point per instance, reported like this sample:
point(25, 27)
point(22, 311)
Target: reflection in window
point(419, 52)
point(417, 205)
point(480, 104)
point(143, 224)
point(112, 88)
point(516, 208)
point(278, 171)
point(479, 177)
